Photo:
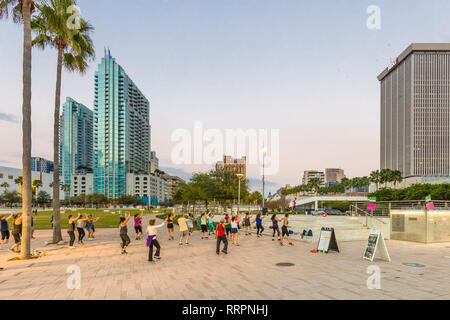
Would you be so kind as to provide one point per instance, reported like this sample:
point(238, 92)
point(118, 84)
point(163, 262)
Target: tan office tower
point(334, 175)
point(415, 111)
point(239, 166)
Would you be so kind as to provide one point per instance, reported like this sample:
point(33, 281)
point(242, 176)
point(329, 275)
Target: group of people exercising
point(227, 229)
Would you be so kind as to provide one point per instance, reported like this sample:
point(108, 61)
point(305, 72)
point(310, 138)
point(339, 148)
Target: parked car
point(334, 212)
point(317, 212)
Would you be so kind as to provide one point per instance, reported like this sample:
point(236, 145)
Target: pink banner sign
point(430, 205)
point(371, 206)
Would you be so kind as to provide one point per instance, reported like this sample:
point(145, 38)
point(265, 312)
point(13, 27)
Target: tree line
point(219, 185)
point(414, 192)
point(378, 177)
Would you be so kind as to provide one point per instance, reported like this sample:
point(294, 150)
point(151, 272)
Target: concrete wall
point(420, 225)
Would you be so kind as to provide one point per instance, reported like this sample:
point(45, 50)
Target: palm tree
point(75, 48)
point(65, 188)
point(37, 184)
point(5, 185)
point(345, 182)
point(365, 182)
point(375, 177)
point(397, 177)
point(314, 184)
point(18, 181)
point(386, 175)
point(22, 11)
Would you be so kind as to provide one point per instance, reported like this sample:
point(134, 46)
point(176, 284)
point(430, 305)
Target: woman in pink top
point(138, 225)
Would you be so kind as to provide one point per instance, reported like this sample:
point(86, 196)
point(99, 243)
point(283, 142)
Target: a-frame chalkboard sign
point(327, 241)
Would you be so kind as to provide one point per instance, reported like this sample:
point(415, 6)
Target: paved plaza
point(247, 272)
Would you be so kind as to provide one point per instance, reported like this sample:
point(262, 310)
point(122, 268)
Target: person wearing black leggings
point(259, 226)
point(80, 229)
point(275, 226)
point(124, 233)
point(71, 230)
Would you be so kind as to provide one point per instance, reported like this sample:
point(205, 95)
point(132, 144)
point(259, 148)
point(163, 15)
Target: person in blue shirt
point(259, 226)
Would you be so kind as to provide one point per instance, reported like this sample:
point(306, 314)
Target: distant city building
point(121, 129)
point(174, 183)
point(415, 109)
point(41, 165)
point(76, 141)
point(150, 188)
point(82, 184)
point(154, 162)
point(333, 176)
point(238, 166)
point(310, 174)
point(9, 175)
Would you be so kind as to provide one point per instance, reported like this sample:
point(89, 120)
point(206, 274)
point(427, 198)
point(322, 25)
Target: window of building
point(10, 176)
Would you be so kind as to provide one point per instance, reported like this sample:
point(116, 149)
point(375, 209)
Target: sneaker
point(187, 243)
point(281, 244)
point(157, 257)
point(225, 252)
point(218, 253)
point(181, 244)
point(273, 239)
point(72, 247)
point(291, 244)
point(125, 252)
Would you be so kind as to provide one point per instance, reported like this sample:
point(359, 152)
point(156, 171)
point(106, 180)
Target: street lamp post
point(239, 175)
point(263, 178)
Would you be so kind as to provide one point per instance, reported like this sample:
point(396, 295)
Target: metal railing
point(384, 208)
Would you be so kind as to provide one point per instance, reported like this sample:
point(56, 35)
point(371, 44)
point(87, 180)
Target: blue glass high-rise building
point(76, 140)
point(121, 129)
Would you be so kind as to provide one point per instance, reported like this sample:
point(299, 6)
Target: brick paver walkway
point(247, 272)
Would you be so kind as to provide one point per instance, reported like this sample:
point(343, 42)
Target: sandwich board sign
point(376, 245)
point(327, 240)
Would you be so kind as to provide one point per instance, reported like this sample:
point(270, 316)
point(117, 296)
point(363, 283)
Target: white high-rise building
point(415, 112)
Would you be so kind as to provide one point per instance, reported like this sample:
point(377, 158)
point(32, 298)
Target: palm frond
point(52, 29)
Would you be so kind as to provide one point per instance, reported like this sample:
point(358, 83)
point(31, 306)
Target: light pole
point(263, 178)
point(239, 175)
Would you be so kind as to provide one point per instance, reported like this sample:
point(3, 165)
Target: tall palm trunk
point(57, 237)
point(26, 132)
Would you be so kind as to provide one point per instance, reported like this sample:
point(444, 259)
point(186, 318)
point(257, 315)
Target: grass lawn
point(109, 218)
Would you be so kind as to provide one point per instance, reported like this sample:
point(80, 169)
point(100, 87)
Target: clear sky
point(307, 68)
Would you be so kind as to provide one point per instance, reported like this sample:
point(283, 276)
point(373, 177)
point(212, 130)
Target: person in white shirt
point(152, 241)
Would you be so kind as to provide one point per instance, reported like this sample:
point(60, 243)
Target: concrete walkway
point(247, 272)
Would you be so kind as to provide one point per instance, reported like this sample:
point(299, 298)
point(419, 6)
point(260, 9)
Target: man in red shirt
point(221, 236)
